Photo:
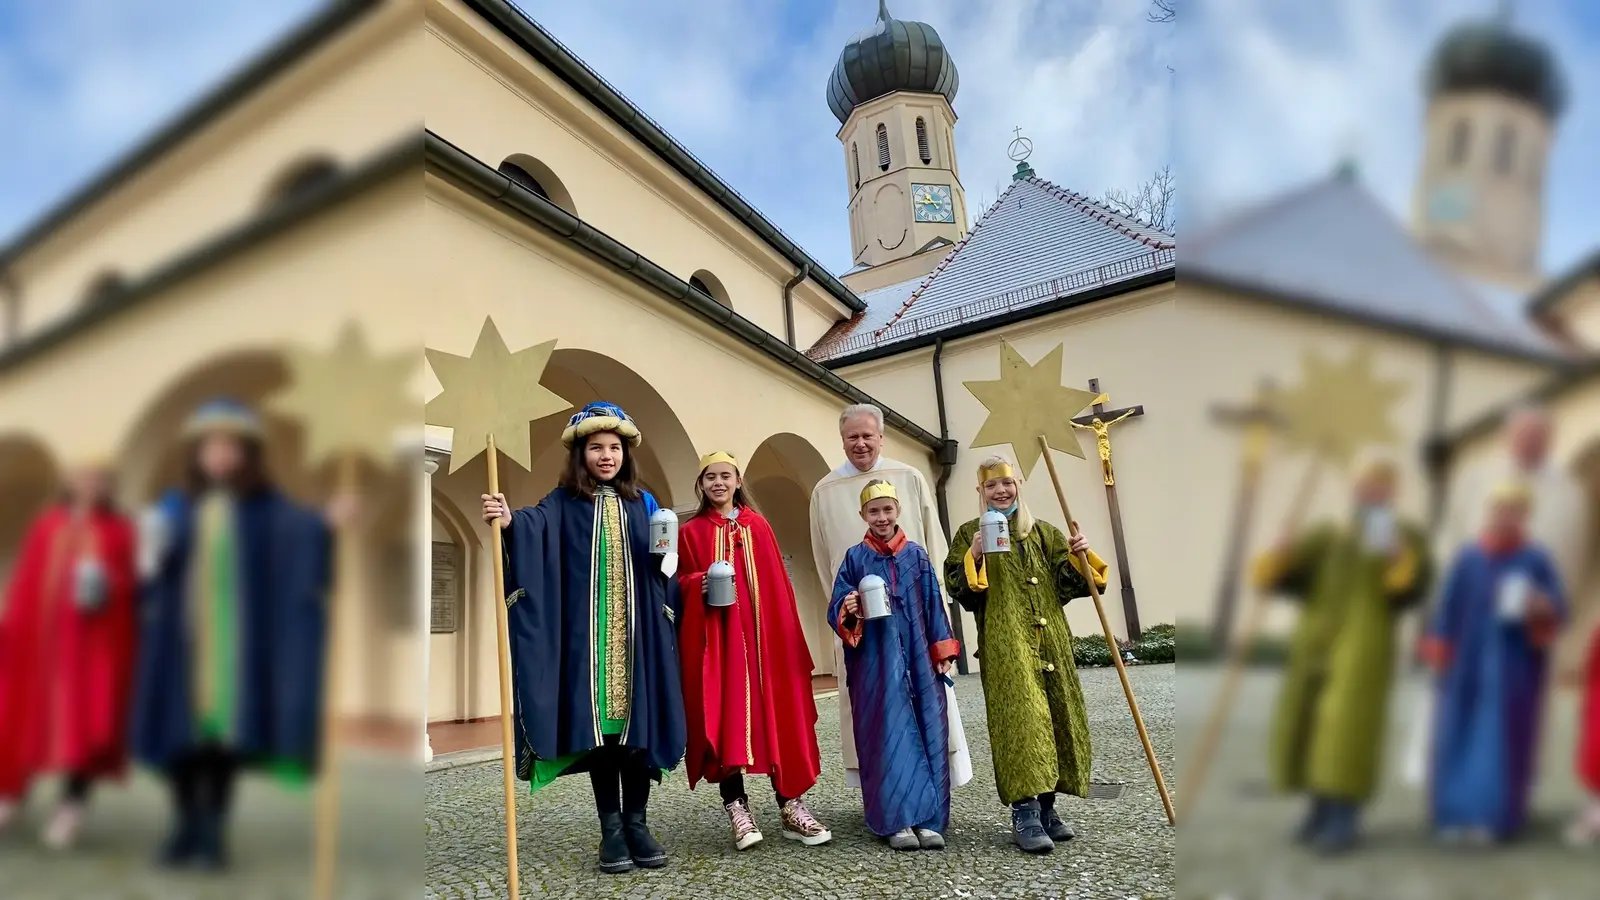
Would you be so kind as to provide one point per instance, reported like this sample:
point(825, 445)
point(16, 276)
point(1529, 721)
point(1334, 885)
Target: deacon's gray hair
point(856, 410)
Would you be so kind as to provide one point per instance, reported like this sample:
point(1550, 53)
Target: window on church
point(708, 284)
point(922, 142)
point(1459, 136)
point(855, 164)
point(538, 178)
point(521, 176)
point(302, 179)
point(105, 286)
point(1505, 150)
point(883, 147)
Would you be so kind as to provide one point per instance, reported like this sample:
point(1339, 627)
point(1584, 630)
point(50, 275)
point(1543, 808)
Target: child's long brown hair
point(577, 479)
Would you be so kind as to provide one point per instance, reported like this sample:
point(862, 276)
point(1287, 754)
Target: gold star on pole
point(1029, 401)
point(1339, 407)
point(348, 400)
point(494, 391)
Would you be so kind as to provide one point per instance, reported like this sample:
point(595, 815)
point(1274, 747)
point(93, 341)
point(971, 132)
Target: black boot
point(614, 856)
point(1340, 832)
point(1027, 829)
point(646, 851)
point(1059, 831)
point(178, 850)
point(1316, 819)
point(210, 850)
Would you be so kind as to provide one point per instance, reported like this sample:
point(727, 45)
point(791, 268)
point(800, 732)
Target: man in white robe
point(836, 526)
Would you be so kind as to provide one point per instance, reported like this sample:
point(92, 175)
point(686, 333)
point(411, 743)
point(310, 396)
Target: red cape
point(65, 673)
point(748, 702)
point(1589, 722)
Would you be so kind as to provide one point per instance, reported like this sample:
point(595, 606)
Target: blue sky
point(1270, 92)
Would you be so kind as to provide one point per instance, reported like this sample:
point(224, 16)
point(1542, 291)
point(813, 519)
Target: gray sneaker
point(905, 839)
point(1027, 830)
point(930, 840)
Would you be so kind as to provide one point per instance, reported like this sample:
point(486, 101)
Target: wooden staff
point(1239, 650)
point(503, 646)
point(1111, 641)
point(346, 482)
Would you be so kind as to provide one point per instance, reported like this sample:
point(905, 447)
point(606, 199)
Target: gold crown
point(998, 470)
point(874, 491)
point(718, 456)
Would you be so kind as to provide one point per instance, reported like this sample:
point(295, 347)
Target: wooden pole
point(347, 477)
point(1111, 640)
point(1239, 650)
point(503, 646)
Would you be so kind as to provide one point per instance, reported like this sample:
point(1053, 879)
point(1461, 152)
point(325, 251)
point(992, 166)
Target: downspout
point(1436, 450)
point(946, 457)
point(788, 301)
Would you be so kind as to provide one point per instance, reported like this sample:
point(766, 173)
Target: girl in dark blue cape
point(896, 668)
point(231, 648)
point(592, 618)
point(1490, 646)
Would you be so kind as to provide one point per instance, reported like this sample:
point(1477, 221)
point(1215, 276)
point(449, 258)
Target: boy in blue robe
point(1489, 643)
point(231, 646)
point(592, 617)
point(897, 671)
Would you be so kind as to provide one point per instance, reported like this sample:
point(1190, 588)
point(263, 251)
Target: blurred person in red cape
point(66, 650)
point(233, 613)
point(746, 670)
point(1585, 829)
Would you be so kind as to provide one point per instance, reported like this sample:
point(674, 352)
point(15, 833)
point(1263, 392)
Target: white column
point(425, 517)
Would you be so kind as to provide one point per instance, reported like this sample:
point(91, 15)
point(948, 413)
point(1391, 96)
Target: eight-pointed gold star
point(1338, 407)
point(494, 391)
point(348, 400)
point(1029, 401)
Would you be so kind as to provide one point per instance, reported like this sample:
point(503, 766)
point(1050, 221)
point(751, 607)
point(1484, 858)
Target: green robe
point(1327, 737)
point(1038, 727)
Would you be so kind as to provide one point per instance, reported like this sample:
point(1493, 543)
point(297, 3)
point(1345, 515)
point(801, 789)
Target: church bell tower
point(892, 90)
point(1493, 99)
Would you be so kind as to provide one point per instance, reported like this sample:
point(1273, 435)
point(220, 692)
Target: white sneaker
point(62, 832)
point(9, 809)
point(1585, 829)
point(905, 839)
point(930, 839)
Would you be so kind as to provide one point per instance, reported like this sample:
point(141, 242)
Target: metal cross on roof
point(1021, 148)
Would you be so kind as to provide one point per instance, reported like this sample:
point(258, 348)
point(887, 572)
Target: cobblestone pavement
point(1124, 849)
point(380, 843)
point(1235, 843)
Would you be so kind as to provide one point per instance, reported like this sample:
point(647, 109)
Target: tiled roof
point(1038, 242)
point(1331, 247)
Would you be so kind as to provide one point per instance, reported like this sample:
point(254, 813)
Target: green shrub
point(1156, 645)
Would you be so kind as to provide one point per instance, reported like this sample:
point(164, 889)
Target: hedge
point(1158, 644)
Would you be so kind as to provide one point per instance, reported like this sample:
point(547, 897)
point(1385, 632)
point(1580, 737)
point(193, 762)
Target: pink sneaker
point(745, 832)
point(62, 832)
point(800, 825)
point(8, 812)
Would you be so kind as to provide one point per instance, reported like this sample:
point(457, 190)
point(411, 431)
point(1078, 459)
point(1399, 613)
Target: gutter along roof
point(483, 180)
point(288, 51)
point(398, 158)
point(549, 52)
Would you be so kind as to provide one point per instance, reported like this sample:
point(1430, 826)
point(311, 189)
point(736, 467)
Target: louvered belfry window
point(922, 142)
point(855, 164)
point(883, 147)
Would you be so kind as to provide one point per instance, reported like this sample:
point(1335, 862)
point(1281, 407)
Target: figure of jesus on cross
point(1102, 437)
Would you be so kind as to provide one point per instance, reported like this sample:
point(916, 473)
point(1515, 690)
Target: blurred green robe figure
point(1328, 730)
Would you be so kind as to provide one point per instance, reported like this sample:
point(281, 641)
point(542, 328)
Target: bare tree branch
point(1165, 11)
point(1150, 202)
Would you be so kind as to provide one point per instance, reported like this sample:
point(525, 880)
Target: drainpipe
point(1436, 449)
point(788, 301)
point(946, 458)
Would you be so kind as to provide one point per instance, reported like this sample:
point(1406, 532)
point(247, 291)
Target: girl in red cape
point(1585, 830)
point(66, 652)
point(746, 669)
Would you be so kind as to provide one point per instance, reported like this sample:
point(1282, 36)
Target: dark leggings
point(76, 788)
point(615, 767)
point(202, 779)
point(733, 789)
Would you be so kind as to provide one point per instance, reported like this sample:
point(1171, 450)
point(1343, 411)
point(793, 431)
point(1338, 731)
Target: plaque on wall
point(446, 587)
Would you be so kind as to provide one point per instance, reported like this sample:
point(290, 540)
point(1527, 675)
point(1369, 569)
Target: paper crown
point(597, 417)
point(998, 470)
point(1512, 491)
point(223, 415)
point(718, 456)
point(874, 491)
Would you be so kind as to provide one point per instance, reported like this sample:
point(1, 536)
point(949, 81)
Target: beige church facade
point(301, 196)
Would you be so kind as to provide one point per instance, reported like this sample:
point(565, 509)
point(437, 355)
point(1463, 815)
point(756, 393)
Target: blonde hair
point(1024, 519)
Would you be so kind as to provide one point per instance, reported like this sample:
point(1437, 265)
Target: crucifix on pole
point(1258, 421)
point(1100, 422)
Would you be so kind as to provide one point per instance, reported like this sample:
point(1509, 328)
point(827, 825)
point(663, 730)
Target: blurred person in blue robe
point(234, 593)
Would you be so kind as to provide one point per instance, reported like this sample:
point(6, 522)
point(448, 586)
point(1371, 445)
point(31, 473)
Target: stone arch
point(779, 477)
point(539, 178)
point(29, 477)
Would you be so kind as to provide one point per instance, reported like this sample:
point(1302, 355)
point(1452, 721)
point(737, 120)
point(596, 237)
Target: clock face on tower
point(932, 203)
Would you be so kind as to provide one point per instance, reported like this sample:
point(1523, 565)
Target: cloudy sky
point(1269, 92)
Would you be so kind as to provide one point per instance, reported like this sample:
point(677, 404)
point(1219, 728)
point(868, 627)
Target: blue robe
point(897, 697)
point(284, 572)
point(1489, 696)
point(550, 609)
